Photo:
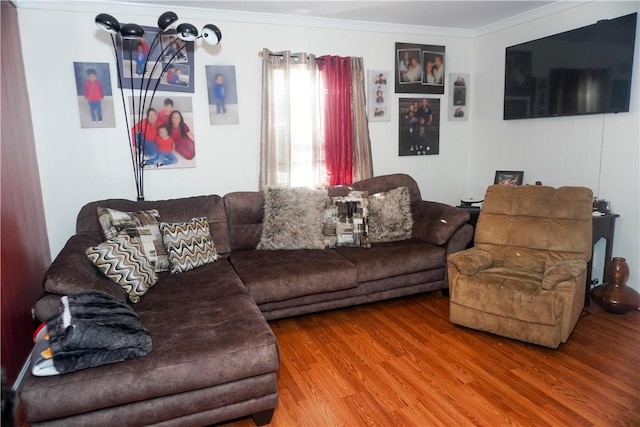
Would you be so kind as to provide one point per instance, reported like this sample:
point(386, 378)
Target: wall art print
point(135, 53)
point(378, 99)
point(458, 97)
point(419, 124)
point(168, 132)
point(419, 68)
point(223, 94)
point(95, 100)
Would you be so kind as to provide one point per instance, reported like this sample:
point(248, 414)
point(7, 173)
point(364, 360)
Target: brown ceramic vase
point(614, 295)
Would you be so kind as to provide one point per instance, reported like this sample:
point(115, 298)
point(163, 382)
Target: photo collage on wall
point(459, 96)
point(378, 96)
point(170, 60)
point(419, 68)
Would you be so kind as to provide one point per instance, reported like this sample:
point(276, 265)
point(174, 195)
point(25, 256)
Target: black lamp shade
point(166, 20)
point(187, 32)
point(211, 34)
point(131, 31)
point(108, 23)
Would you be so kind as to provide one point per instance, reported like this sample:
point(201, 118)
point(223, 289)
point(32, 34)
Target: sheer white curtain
point(362, 160)
point(291, 148)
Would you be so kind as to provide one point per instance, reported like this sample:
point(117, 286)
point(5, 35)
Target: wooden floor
point(401, 363)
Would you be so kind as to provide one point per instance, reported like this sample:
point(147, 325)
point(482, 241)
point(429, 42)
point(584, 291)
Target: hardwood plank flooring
point(402, 363)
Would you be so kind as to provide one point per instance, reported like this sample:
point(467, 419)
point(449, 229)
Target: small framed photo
point(509, 177)
point(378, 96)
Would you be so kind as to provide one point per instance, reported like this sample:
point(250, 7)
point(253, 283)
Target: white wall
point(81, 165)
point(560, 151)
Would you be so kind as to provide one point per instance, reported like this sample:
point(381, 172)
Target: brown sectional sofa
point(214, 356)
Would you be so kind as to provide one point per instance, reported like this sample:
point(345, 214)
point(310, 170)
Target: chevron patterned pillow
point(189, 244)
point(122, 260)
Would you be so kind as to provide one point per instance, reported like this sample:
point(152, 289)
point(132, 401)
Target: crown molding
point(119, 7)
point(550, 9)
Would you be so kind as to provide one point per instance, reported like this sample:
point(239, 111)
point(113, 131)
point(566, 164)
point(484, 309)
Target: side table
point(603, 228)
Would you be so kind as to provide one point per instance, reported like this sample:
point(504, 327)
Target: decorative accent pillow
point(122, 260)
point(346, 220)
point(143, 227)
point(390, 217)
point(292, 218)
point(189, 244)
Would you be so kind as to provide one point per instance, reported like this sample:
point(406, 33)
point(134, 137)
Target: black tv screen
point(582, 71)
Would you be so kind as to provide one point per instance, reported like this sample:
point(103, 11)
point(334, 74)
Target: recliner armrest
point(470, 261)
point(436, 222)
point(562, 271)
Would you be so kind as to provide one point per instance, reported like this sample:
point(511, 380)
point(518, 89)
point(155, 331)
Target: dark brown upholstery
point(214, 356)
point(526, 275)
point(214, 329)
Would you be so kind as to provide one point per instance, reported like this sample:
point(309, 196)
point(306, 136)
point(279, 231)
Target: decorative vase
point(614, 295)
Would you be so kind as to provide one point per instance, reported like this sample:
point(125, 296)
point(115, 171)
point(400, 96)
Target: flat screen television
point(583, 71)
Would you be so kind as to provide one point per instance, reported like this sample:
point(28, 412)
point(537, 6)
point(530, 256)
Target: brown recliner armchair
point(526, 276)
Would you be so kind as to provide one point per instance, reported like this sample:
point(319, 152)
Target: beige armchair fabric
point(526, 275)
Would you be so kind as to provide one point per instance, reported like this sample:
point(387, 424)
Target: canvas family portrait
point(419, 126)
point(95, 100)
point(419, 68)
point(167, 132)
point(223, 94)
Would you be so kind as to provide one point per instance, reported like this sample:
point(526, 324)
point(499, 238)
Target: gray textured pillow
point(390, 217)
point(292, 218)
point(189, 244)
point(143, 227)
point(122, 260)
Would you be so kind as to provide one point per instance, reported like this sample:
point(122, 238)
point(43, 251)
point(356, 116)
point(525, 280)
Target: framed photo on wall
point(135, 53)
point(419, 126)
point(378, 96)
point(419, 68)
point(458, 96)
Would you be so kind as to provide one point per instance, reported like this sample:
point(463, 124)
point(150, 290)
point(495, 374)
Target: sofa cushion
point(173, 210)
point(214, 336)
point(189, 244)
point(142, 227)
point(122, 260)
point(391, 259)
point(292, 218)
point(390, 217)
point(71, 271)
point(245, 211)
point(280, 275)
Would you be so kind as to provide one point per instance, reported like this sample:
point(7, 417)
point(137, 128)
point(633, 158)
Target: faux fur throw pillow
point(292, 218)
point(390, 216)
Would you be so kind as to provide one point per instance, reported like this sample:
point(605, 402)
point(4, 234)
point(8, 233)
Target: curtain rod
point(281, 55)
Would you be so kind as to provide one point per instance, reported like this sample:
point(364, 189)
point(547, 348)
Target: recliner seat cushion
point(281, 274)
point(511, 293)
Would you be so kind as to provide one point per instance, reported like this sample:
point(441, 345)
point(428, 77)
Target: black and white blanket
point(90, 329)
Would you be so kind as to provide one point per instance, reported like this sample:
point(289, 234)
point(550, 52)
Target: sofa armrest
point(436, 222)
point(470, 261)
point(562, 271)
point(71, 271)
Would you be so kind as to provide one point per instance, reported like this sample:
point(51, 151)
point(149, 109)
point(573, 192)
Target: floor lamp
point(147, 88)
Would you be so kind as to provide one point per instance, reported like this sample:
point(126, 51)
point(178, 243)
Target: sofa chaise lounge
point(214, 356)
